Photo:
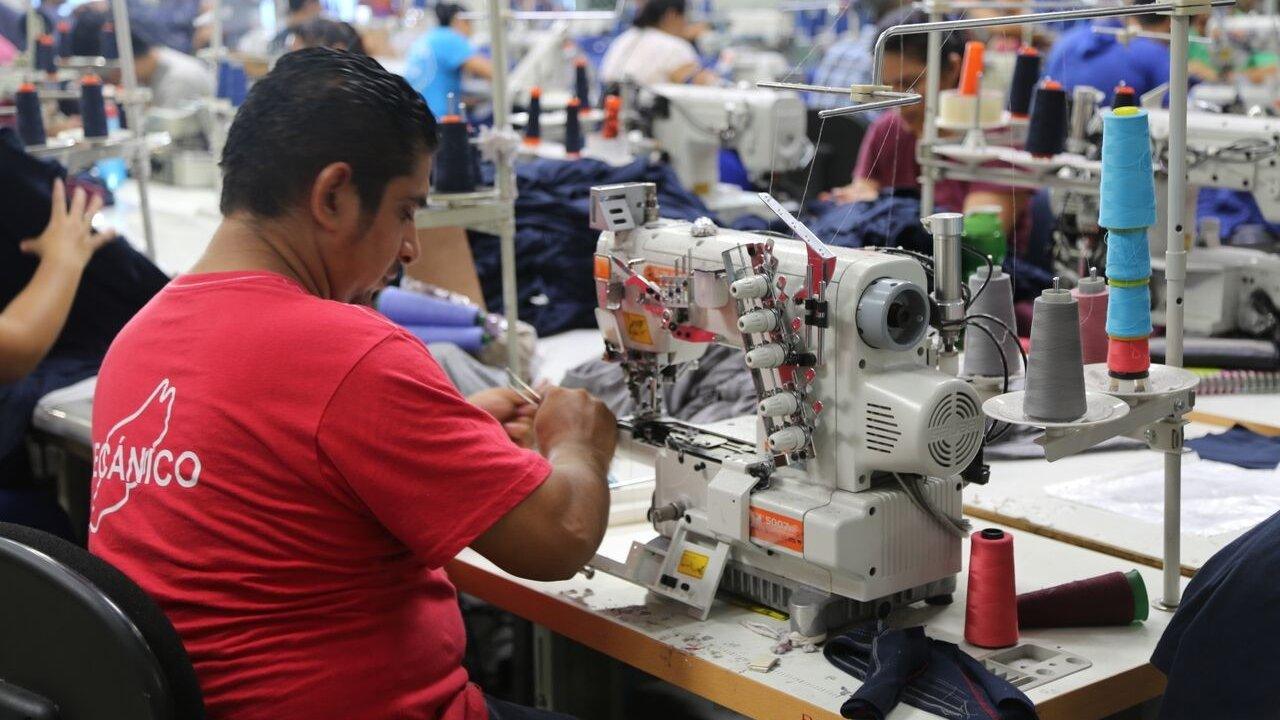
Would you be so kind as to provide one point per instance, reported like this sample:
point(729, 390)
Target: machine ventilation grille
point(883, 432)
point(955, 431)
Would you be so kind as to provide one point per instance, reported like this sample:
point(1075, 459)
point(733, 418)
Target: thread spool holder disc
point(1144, 415)
point(1100, 409)
point(1161, 380)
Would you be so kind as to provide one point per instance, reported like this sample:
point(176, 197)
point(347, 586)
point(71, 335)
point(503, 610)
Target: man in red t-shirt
point(286, 472)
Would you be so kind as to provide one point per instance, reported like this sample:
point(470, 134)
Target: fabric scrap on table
point(905, 665)
point(1239, 446)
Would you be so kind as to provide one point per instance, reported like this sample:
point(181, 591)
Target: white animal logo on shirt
point(130, 455)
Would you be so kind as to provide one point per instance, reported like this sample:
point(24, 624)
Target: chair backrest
point(77, 635)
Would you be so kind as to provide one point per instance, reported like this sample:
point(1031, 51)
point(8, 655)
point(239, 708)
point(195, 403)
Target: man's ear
point(334, 201)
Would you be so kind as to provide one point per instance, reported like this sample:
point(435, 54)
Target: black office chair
point(78, 639)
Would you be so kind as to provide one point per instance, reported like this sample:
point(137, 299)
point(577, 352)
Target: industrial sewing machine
point(691, 123)
point(848, 502)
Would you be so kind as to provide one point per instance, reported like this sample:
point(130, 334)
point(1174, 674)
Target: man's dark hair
point(916, 45)
point(323, 32)
point(446, 12)
point(299, 5)
point(652, 12)
point(318, 107)
point(1150, 19)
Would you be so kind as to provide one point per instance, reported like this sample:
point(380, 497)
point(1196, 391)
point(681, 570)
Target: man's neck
point(243, 244)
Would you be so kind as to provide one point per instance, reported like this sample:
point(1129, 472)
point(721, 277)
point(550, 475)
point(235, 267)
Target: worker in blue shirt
point(437, 60)
point(1099, 60)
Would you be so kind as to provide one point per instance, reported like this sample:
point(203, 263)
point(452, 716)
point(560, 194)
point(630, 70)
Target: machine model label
point(774, 529)
point(638, 328)
point(693, 564)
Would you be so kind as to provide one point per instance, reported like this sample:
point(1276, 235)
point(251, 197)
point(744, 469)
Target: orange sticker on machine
point(774, 529)
point(654, 273)
point(638, 328)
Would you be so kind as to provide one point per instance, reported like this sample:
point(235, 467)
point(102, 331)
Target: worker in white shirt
point(656, 49)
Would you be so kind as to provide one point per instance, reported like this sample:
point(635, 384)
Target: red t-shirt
point(286, 476)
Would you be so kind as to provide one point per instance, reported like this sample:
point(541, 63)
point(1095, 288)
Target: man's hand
point(572, 418)
point(69, 238)
point(508, 408)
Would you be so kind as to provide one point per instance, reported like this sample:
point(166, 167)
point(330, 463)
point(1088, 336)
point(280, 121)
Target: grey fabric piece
point(717, 388)
point(468, 374)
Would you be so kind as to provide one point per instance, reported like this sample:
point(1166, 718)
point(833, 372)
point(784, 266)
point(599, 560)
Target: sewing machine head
point(765, 127)
point(835, 339)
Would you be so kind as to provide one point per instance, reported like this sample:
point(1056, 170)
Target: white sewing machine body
point(766, 127)
point(809, 510)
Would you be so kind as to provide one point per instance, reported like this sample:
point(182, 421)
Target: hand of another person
point(69, 237)
point(574, 417)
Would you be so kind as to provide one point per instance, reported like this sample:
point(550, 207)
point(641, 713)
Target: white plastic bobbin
point(782, 404)
point(758, 321)
point(750, 288)
point(769, 355)
point(788, 440)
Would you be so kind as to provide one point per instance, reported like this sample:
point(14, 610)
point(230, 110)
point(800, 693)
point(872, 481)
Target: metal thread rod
point(506, 183)
point(1167, 37)
point(1036, 18)
point(1175, 281)
point(137, 118)
point(906, 99)
point(932, 87)
point(215, 40)
point(1172, 573)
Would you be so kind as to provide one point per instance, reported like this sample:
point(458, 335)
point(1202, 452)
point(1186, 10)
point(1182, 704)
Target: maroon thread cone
point(1113, 599)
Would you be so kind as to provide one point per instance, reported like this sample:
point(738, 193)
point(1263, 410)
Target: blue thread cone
point(1128, 255)
point(1128, 185)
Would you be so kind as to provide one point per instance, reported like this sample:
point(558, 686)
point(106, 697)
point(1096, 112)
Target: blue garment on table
point(1233, 208)
point(890, 220)
point(554, 244)
point(935, 676)
point(434, 66)
point(1239, 446)
point(1217, 650)
point(115, 284)
point(1099, 60)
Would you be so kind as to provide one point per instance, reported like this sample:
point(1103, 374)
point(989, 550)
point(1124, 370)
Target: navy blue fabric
point(555, 245)
point(1233, 208)
point(1217, 650)
point(1239, 446)
point(35, 508)
point(887, 221)
point(116, 283)
point(938, 677)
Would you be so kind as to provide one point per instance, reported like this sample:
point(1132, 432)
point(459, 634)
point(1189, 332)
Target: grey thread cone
point(981, 357)
point(1055, 378)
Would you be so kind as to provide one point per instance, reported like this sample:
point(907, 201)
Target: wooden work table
point(710, 658)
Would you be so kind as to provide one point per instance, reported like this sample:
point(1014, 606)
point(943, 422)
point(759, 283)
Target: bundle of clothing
point(116, 283)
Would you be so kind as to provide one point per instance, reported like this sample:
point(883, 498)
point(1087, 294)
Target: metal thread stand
point(1155, 417)
point(492, 212)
